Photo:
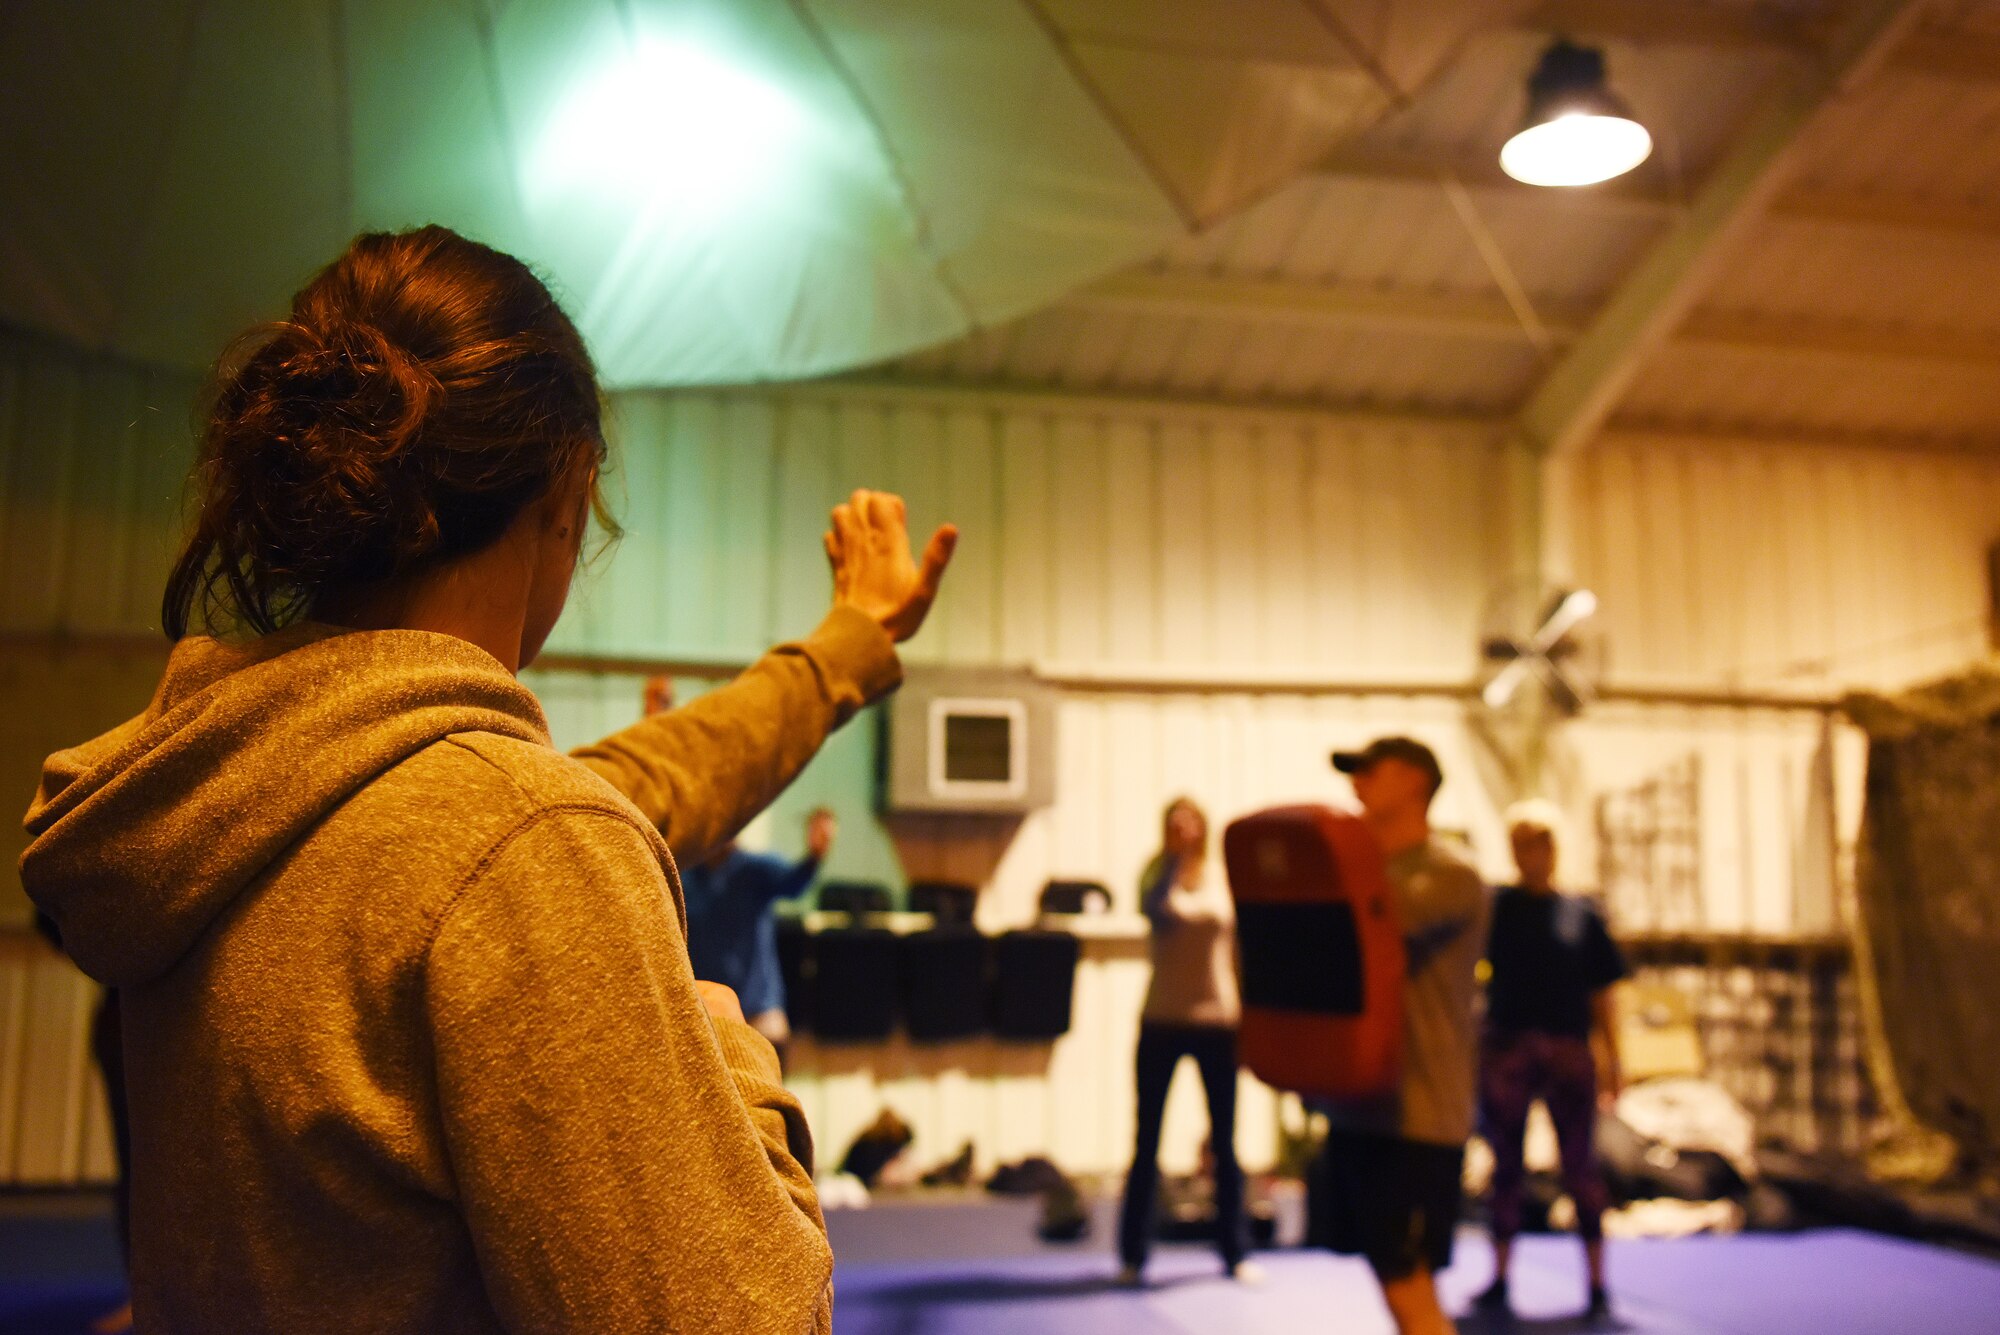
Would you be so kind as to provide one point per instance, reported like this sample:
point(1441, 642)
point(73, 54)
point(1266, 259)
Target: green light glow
point(670, 124)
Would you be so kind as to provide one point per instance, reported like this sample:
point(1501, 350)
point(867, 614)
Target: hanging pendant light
point(1577, 132)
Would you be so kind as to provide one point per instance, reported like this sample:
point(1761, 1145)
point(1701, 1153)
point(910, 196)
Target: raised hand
point(820, 829)
point(873, 569)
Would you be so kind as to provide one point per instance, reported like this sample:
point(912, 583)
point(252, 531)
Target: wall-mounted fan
point(1535, 634)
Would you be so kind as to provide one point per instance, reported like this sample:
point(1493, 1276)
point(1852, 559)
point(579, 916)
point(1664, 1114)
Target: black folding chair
point(1034, 982)
point(946, 991)
point(855, 984)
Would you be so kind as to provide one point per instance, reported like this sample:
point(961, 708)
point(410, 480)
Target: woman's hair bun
point(424, 390)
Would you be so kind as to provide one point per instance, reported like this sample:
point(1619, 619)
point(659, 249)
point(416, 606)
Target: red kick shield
point(1322, 953)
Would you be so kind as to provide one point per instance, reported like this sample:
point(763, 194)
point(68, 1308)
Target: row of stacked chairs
point(946, 983)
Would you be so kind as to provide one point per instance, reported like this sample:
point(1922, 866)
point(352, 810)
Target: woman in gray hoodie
point(412, 1039)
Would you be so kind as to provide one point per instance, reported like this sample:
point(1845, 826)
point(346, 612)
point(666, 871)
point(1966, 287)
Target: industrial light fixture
point(1577, 131)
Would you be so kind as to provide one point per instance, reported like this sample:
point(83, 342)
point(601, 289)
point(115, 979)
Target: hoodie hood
point(139, 838)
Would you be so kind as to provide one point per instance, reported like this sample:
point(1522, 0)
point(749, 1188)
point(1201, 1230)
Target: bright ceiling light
point(671, 122)
point(1577, 131)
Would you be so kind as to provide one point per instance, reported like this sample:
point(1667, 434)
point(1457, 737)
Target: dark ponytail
point(425, 390)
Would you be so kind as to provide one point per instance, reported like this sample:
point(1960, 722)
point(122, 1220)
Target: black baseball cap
point(1406, 749)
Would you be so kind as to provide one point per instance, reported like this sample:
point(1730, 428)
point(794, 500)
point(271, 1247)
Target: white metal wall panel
point(92, 458)
point(1096, 537)
point(1109, 537)
point(1769, 568)
point(54, 1129)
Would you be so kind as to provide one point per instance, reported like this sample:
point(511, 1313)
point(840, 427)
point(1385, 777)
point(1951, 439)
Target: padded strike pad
point(1308, 958)
point(1322, 953)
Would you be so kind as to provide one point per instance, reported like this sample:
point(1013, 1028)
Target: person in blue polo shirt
point(732, 929)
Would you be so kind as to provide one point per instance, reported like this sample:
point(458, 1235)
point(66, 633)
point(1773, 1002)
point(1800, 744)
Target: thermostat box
point(977, 742)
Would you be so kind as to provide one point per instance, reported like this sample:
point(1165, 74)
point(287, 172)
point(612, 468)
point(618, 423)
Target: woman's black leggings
point(1161, 1047)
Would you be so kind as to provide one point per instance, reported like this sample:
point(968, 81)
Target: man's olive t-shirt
point(1444, 908)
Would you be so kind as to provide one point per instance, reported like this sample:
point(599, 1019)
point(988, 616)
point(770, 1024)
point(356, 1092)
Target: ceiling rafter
point(1016, 396)
point(1465, 315)
point(1582, 389)
point(1364, 164)
point(1480, 316)
point(1935, 52)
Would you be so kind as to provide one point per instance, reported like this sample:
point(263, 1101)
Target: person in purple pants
point(1549, 1036)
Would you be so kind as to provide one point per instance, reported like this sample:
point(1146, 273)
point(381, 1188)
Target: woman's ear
point(565, 510)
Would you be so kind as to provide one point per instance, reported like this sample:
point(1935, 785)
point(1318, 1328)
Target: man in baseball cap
point(1387, 1184)
point(1407, 750)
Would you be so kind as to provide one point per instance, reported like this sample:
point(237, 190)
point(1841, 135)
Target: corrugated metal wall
point(93, 453)
point(1762, 567)
point(1094, 535)
point(1111, 538)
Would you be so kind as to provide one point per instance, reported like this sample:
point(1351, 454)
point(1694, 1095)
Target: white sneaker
point(1248, 1272)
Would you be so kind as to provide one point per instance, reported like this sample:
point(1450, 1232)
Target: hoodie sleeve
point(701, 771)
point(623, 1163)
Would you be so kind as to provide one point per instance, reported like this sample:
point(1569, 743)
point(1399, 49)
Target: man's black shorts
point(1392, 1200)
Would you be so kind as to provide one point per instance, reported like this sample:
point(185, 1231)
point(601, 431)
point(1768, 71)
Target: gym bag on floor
point(1322, 953)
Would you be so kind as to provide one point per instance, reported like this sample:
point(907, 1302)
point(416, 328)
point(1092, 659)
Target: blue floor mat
point(973, 1267)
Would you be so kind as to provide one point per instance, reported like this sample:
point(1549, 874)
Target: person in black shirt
point(1549, 1036)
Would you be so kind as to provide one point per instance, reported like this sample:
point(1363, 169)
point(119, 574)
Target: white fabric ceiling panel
point(723, 190)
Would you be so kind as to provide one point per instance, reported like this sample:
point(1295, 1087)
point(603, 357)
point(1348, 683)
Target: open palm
point(874, 571)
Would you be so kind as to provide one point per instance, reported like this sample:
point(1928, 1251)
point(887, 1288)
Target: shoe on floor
point(1131, 1277)
point(1248, 1273)
point(1493, 1298)
point(956, 1173)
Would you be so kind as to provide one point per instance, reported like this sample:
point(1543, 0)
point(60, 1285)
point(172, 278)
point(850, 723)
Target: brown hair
point(424, 391)
point(1184, 804)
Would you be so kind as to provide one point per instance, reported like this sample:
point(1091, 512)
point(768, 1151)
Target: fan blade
point(1501, 689)
point(1576, 609)
point(1567, 697)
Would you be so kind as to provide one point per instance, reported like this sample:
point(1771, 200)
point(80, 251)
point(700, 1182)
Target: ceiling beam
point(1920, 215)
point(1645, 435)
point(1360, 163)
point(1583, 387)
point(1479, 316)
point(1670, 22)
point(1171, 294)
point(1949, 53)
point(1786, 335)
point(1934, 52)
point(1011, 397)
point(1644, 193)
